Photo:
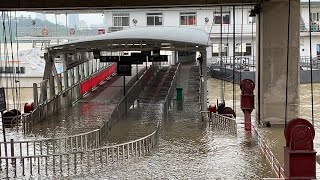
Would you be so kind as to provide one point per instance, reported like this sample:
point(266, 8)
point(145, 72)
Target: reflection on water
point(190, 150)
point(274, 136)
point(187, 149)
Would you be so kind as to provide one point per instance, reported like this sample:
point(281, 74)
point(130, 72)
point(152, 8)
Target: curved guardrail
point(76, 152)
point(50, 146)
point(77, 161)
point(78, 142)
point(229, 124)
point(271, 158)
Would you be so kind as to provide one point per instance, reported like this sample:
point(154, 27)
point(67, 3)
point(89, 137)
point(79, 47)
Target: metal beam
point(105, 4)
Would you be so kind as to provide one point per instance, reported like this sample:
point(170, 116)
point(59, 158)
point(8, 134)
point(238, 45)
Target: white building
point(209, 19)
point(83, 24)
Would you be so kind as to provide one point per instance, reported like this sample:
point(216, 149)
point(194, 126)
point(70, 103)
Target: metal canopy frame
point(174, 39)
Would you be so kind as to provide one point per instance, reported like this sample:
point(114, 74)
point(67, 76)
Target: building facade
point(232, 31)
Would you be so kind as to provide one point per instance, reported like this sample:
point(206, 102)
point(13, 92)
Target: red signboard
point(95, 80)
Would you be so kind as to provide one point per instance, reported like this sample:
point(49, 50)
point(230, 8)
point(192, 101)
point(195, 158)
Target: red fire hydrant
point(247, 101)
point(299, 155)
point(212, 109)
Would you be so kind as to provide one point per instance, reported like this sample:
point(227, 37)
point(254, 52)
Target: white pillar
point(65, 71)
point(204, 83)
point(272, 65)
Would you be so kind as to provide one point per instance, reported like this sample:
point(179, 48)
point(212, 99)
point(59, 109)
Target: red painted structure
point(247, 101)
point(212, 109)
point(299, 155)
point(92, 82)
point(28, 107)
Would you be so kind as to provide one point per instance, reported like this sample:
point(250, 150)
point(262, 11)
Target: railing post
point(12, 149)
point(35, 95)
point(51, 87)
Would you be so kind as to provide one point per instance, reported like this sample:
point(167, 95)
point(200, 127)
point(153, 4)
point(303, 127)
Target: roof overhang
point(140, 39)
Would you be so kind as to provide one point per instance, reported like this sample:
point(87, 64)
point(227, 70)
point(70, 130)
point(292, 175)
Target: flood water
point(188, 149)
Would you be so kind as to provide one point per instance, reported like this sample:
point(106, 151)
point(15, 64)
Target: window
point(121, 19)
point(217, 51)
point(188, 18)
point(8, 69)
point(243, 49)
point(154, 19)
point(251, 19)
point(318, 49)
point(20, 70)
point(225, 17)
point(315, 17)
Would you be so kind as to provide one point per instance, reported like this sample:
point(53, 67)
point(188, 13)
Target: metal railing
point(50, 146)
point(76, 154)
point(229, 124)
point(240, 62)
point(249, 62)
point(223, 122)
point(59, 164)
point(306, 62)
point(51, 100)
point(79, 141)
point(131, 95)
point(171, 92)
point(274, 163)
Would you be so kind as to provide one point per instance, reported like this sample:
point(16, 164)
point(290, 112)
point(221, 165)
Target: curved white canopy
point(165, 38)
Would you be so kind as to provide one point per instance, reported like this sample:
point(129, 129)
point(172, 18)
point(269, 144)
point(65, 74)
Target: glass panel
point(217, 19)
point(183, 20)
point(125, 21)
point(191, 20)
point(150, 21)
point(22, 70)
point(158, 20)
point(248, 49)
point(226, 19)
point(116, 21)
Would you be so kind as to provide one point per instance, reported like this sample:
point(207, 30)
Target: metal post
point(147, 63)
point(124, 85)
point(137, 72)
point(65, 72)
point(35, 94)
point(204, 82)
point(87, 64)
point(72, 76)
point(4, 135)
point(77, 74)
point(51, 87)
point(12, 150)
